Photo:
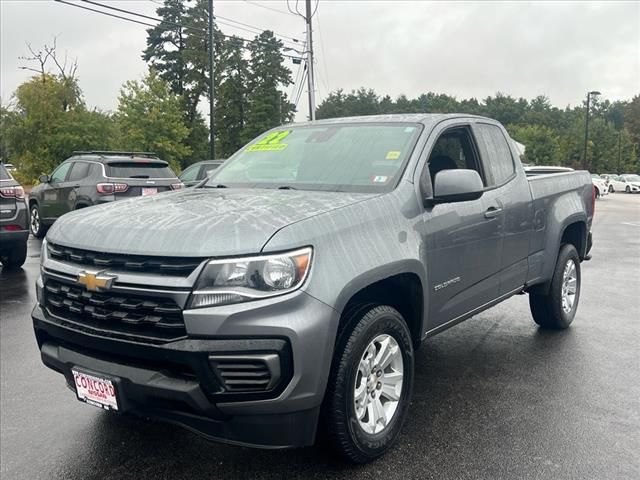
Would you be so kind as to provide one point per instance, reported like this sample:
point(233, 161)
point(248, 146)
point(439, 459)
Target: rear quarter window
point(138, 170)
point(496, 154)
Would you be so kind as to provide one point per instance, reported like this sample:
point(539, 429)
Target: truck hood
point(193, 223)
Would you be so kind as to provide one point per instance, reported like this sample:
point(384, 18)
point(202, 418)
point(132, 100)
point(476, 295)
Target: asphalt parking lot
point(494, 398)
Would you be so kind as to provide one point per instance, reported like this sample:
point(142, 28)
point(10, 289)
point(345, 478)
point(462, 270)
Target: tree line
point(552, 136)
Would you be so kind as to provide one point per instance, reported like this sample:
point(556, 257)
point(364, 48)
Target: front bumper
point(176, 381)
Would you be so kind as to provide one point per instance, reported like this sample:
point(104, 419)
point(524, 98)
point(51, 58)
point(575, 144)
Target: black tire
point(597, 192)
point(38, 230)
point(547, 309)
point(611, 190)
point(339, 419)
point(15, 257)
point(627, 189)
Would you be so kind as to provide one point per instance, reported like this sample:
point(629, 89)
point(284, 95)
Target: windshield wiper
point(287, 187)
point(215, 186)
point(138, 176)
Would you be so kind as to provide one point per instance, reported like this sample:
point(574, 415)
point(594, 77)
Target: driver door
point(462, 240)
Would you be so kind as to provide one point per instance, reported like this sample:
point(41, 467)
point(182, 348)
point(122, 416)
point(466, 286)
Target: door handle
point(492, 212)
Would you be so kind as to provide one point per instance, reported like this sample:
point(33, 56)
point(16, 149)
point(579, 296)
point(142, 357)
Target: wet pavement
point(494, 398)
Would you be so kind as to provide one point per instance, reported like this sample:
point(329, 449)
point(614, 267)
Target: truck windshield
point(350, 158)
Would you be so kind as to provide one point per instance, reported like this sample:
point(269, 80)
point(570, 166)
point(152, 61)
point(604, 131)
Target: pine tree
point(267, 106)
point(232, 96)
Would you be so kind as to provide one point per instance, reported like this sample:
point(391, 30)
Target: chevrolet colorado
point(287, 294)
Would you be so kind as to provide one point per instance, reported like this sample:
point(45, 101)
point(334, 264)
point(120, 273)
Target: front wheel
point(370, 384)
point(611, 190)
point(37, 228)
point(557, 308)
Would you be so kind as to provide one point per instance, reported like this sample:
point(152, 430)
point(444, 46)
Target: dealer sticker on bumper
point(97, 391)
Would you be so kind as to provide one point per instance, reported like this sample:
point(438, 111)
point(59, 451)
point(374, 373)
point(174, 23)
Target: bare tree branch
point(67, 72)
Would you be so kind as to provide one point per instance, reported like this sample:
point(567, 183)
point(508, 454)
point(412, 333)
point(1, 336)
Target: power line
point(301, 89)
point(245, 41)
point(267, 8)
point(105, 13)
point(156, 19)
point(257, 28)
point(297, 77)
point(324, 55)
point(296, 12)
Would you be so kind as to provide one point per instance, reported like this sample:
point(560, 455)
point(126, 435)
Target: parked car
point(616, 183)
point(600, 184)
point(288, 293)
point(96, 177)
point(631, 182)
point(197, 172)
point(14, 221)
point(10, 167)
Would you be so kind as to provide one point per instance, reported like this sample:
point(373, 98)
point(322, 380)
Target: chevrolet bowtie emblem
point(95, 281)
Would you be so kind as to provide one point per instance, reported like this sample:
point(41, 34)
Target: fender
point(383, 272)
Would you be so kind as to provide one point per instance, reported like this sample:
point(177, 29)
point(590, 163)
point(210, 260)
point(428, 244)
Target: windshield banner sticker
point(393, 155)
point(270, 143)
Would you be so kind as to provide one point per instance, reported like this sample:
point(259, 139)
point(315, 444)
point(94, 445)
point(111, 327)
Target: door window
point(495, 153)
point(79, 171)
point(190, 174)
point(454, 150)
point(60, 173)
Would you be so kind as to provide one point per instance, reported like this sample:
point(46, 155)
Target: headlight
point(236, 280)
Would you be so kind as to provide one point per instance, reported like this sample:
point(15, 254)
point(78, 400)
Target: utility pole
point(619, 150)
point(212, 47)
point(310, 76)
point(586, 129)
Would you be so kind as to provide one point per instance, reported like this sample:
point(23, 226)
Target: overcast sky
point(466, 49)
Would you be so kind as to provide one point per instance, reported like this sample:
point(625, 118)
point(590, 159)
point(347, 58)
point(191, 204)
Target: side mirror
point(457, 185)
point(44, 178)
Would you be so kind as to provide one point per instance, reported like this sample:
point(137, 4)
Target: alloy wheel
point(569, 286)
point(378, 384)
point(35, 220)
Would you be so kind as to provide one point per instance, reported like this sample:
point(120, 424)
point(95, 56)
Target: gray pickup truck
point(286, 295)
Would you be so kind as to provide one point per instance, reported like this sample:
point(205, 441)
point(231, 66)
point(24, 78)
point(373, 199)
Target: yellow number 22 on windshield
point(270, 143)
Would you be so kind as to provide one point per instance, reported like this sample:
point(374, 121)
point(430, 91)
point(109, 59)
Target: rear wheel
point(628, 189)
point(37, 228)
point(611, 190)
point(369, 385)
point(557, 308)
point(597, 192)
point(15, 257)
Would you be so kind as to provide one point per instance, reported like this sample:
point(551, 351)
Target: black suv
point(14, 221)
point(92, 178)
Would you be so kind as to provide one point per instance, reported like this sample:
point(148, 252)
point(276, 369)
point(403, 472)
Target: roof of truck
point(425, 118)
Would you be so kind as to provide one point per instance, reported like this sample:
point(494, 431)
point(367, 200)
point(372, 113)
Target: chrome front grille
point(134, 316)
point(177, 266)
